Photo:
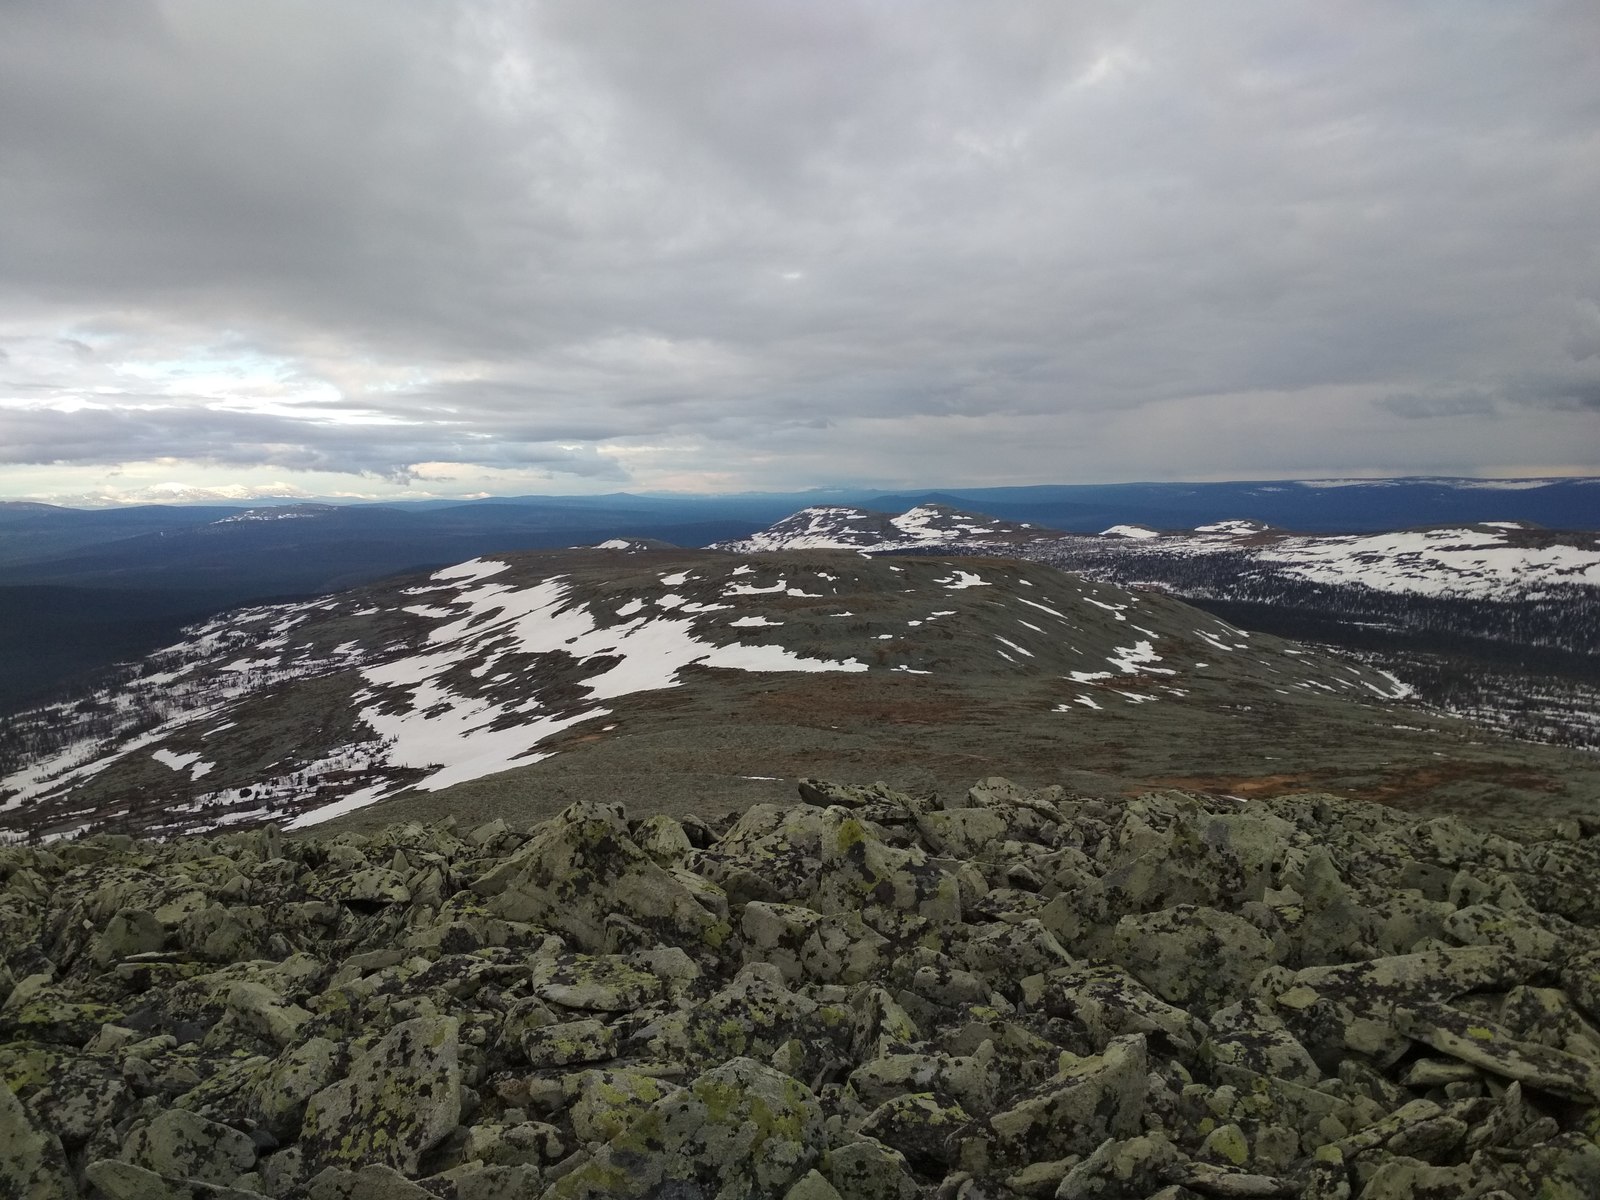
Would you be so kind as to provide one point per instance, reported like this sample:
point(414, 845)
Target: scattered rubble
point(865, 994)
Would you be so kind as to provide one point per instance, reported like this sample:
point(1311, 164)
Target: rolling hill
point(686, 680)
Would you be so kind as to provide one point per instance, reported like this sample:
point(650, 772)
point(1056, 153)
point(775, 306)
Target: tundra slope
point(1498, 620)
point(694, 679)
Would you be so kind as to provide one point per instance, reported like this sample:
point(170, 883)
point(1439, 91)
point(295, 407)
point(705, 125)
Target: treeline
point(1529, 667)
point(1531, 706)
point(1562, 618)
point(129, 703)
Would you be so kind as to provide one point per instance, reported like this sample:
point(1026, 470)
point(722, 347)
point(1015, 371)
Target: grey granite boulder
point(741, 1129)
point(398, 1100)
point(32, 1164)
point(1192, 954)
point(183, 1145)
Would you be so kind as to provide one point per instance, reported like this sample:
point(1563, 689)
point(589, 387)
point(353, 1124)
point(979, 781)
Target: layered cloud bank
point(499, 248)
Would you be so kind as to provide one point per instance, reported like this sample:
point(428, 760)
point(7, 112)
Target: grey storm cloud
point(240, 439)
point(517, 234)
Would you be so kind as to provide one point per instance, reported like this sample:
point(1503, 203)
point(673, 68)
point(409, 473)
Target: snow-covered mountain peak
point(1489, 560)
point(1137, 532)
point(630, 545)
point(840, 527)
point(283, 512)
point(1234, 528)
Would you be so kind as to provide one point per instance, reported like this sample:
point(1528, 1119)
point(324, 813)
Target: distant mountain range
point(1485, 560)
point(80, 588)
point(842, 527)
point(1496, 619)
point(512, 683)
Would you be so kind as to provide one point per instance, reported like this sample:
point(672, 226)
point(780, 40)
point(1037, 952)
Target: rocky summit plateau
point(863, 994)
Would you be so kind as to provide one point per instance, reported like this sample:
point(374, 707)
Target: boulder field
point(864, 994)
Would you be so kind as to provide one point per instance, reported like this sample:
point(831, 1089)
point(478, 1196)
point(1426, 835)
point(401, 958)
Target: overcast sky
point(419, 248)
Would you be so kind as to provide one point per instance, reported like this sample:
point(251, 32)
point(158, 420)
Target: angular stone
point(131, 931)
point(39, 1009)
point(920, 1127)
point(398, 1100)
point(1088, 1101)
point(594, 982)
point(1409, 1179)
point(812, 1186)
point(278, 1097)
point(183, 1145)
point(740, 1129)
point(1109, 1002)
point(1489, 1045)
point(32, 1164)
point(582, 867)
point(606, 1102)
point(972, 1080)
point(1429, 975)
point(372, 1182)
point(569, 1043)
point(664, 840)
point(806, 945)
point(525, 1143)
point(265, 1012)
point(1191, 955)
point(866, 1169)
point(1009, 951)
point(1135, 1166)
point(1251, 1036)
point(1565, 1168)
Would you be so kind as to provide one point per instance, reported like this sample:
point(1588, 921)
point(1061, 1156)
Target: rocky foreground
point(862, 995)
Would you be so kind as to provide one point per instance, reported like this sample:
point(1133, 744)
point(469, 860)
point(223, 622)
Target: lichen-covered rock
point(752, 1016)
point(806, 945)
point(1088, 1101)
point(266, 1013)
point(973, 1081)
point(569, 1044)
point(1006, 992)
point(813, 1185)
point(865, 1169)
point(184, 1145)
point(583, 867)
point(1548, 1016)
point(131, 931)
point(664, 840)
point(595, 983)
point(741, 1129)
point(399, 1100)
point(277, 1098)
point(921, 1127)
point(1249, 1035)
point(41, 1010)
point(1409, 1179)
point(32, 1164)
point(1109, 1002)
point(1487, 1044)
point(372, 1182)
point(1191, 954)
point(1137, 1166)
point(604, 1103)
point(1566, 1167)
point(525, 1143)
point(116, 1180)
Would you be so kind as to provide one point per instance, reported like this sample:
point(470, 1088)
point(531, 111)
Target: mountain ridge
point(524, 680)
